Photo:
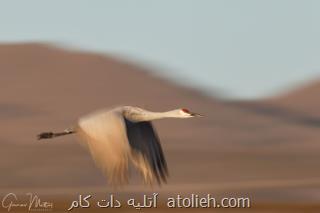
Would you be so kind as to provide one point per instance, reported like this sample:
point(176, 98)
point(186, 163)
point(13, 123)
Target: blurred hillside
point(303, 98)
point(267, 150)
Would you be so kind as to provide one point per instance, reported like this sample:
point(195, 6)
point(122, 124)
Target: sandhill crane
point(124, 133)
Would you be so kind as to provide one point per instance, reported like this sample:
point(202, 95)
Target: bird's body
point(122, 135)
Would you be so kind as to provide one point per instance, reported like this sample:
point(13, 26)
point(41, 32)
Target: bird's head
point(185, 113)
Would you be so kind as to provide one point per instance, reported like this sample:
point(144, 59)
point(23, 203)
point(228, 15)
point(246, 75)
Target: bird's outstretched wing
point(146, 153)
point(105, 136)
point(113, 140)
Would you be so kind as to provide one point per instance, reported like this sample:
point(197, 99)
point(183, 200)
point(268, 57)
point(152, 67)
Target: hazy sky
point(247, 48)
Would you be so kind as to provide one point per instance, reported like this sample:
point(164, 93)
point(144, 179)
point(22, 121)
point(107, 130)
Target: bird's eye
point(185, 110)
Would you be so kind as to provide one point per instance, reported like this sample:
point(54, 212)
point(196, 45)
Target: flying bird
point(121, 135)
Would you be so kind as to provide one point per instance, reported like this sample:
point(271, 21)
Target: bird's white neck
point(160, 115)
point(145, 115)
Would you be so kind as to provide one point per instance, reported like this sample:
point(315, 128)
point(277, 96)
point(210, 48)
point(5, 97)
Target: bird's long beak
point(196, 114)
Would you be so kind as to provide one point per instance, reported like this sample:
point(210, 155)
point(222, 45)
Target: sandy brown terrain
point(267, 150)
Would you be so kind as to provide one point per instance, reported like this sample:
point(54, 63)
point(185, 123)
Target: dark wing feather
point(144, 140)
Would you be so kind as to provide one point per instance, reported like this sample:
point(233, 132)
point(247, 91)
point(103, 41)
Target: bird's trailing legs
point(48, 135)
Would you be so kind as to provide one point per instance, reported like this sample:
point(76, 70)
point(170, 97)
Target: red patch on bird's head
point(185, 110)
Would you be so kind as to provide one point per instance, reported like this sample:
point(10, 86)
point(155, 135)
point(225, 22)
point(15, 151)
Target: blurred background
point(251, 67)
